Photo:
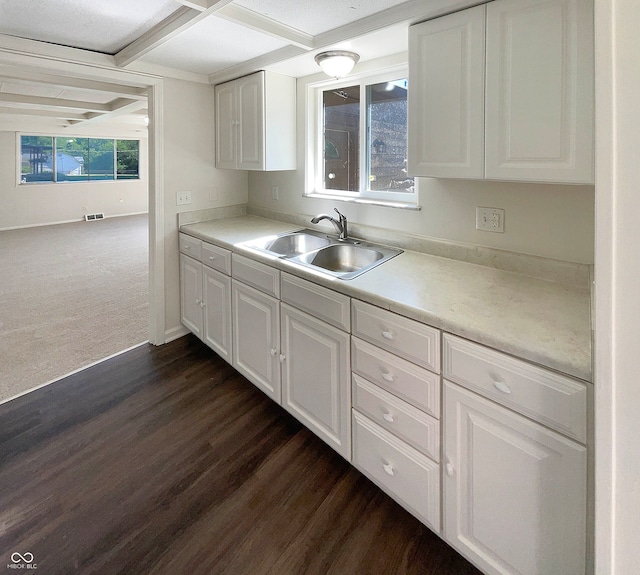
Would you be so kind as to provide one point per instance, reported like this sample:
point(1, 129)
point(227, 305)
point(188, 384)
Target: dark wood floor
point(165, 460)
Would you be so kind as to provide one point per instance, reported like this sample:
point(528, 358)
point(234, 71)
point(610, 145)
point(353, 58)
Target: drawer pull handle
point(187, 247)
point(501, 386)
point(212, 258)
point(282, 357)
point(387, 334)
point(274, 351)
point(388, 417)
point(449, 469)
point(388, 469)
point(387, 377)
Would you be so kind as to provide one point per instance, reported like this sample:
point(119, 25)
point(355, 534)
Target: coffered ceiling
point(213, 40)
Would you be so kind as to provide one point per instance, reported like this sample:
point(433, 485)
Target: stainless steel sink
point(343, 259)
point(290, 244)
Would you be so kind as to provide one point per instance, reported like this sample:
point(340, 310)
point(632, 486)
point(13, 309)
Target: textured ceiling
point(98, 25)
point(317, 16)
point(221, 39)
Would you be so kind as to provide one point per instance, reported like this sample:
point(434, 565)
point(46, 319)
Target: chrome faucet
point(340, 224)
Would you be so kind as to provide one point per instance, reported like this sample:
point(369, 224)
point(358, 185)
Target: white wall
point(189, 165)
point(554, 221)
point(39, 204)
point(617, 288)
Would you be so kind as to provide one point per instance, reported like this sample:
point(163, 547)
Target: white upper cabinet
point(255, 123)
point(540, 90)
point(446, 96)
point(520, 109)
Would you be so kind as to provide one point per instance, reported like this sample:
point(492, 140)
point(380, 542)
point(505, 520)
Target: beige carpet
point(70, 295)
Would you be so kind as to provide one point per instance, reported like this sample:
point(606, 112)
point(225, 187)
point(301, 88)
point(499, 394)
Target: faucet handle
point(342, 216)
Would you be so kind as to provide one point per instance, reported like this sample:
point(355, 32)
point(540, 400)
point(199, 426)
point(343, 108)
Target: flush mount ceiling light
point(337, 63)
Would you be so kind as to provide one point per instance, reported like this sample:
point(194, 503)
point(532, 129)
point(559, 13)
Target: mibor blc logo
point(22, 561)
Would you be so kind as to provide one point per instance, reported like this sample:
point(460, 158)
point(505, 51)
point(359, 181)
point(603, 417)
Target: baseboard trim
point(68, 221)
point(175, 333)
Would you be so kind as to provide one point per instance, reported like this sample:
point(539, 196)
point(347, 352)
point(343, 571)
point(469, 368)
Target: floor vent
point(91, 217)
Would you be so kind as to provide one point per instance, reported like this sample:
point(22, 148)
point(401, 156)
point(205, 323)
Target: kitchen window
point(50, 159)
point(358, 150)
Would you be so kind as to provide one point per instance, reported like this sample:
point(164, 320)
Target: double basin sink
point(343, 259)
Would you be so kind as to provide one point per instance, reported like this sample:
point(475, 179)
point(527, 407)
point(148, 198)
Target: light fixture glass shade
point(337, 63)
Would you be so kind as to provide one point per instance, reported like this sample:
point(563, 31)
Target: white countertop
point(538, 320)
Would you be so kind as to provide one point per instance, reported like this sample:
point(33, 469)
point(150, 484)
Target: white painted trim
point(68, 222)
point(156, 216)
point(174, 333)
point(250, 19)
point(74, 372)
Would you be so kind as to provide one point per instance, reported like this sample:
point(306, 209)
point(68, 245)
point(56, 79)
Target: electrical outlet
point(274, 192)
point(183, 198)
point(490, 219)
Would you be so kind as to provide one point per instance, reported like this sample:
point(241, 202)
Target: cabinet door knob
point(274, 351)
point(388, 417)
point(387, 334)
point(501, 386)
point(202, 304)
point(387, 376)
point(388, 469)
point(449, 469)
point(282, 357)
point(197, 301)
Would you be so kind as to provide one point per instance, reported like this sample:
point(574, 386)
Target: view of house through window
point(366, 158)
point(61, 159)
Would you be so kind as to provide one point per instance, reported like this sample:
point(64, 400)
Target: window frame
point(314, 142)
point(54, 152)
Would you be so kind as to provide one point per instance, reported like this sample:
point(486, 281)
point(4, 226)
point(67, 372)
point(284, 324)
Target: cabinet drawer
point(191, 246)
point(320, 302)
point(405, 337)
point(406, 474)
point(554, 400)
point(414, 384)
point(260, 276)
point(403, 420)
point(216, 258)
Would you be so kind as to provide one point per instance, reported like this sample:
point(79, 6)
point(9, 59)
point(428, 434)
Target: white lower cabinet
point(514, 491)
point(256, 335)
point(492, 454)
point(315, 376)
point(205, 304)
point(396, 406)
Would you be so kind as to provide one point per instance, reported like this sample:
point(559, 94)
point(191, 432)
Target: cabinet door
point(191, 294)
point(315, 377)
point(226, 125)
point(256, 334)
point(446, 96)
point(250, 114)
point(216, 295)
point(540, 90)
point(514, 491)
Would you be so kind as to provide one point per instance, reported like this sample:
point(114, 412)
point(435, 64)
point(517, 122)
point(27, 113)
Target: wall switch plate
point(183, 198)
point(490, 219)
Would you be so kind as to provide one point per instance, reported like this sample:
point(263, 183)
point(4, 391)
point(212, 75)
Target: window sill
point(366, 201)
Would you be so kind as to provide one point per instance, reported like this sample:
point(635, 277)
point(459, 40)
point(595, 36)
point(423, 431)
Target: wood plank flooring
point(166, 461)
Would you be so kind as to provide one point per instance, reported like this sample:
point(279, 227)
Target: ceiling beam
point(21, 100)
point(260, 23)
point(119, 108)
point(60, 114)
point(178, 22)
point(65, 82)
